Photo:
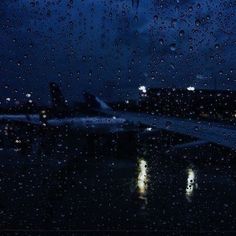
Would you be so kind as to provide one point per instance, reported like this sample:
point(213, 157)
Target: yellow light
point(142, 177)
point(191, 184)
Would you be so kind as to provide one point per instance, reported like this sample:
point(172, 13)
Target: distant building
point(190, 102)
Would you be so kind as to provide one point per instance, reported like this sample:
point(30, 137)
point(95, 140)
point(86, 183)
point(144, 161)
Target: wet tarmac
point(71, 181)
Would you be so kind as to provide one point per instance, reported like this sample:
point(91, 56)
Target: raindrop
point(173, 47)
point(161, 41)
point(197, 22)
point(174, 22)
point(155, 18)
point(181, 33)
point(168, 124)
point(136, 18)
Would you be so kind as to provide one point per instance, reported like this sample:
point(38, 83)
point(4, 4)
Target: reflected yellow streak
point(191, 183)
point(142, 178)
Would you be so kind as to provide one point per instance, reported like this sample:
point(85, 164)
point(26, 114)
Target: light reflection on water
point(142, 180)
point(138, 190)
point(191, 183)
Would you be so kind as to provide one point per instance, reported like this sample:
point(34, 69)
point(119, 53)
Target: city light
point(142, 88)
point(190, 88)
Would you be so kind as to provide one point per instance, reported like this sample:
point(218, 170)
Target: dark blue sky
point(111, 48)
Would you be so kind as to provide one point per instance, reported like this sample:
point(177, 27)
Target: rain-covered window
point(118, 116)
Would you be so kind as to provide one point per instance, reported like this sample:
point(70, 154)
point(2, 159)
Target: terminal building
point(190, 103)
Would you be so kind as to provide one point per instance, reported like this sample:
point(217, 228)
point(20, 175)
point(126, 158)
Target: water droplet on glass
point(181, 33)
point(136, 18)
point(197, 22)
point(173, 47)
point(174, 22)
point(155, 18)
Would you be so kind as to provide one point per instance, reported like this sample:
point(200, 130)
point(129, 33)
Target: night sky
point(111, 47)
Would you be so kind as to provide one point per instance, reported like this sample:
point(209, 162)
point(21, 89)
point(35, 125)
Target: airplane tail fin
point(58, 100)
point(95, 102)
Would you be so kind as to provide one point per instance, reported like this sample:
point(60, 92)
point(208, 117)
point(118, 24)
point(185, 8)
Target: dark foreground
point(70, 181)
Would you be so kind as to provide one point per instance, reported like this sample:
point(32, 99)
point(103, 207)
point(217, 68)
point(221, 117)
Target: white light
point(149, 129)
point(17, 141)
point(143, 89)
point(190, 88)
point(8, 99)
point(28, 95)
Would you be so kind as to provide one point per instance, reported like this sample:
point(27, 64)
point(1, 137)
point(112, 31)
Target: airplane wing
point(21, 118)
point(211, 132)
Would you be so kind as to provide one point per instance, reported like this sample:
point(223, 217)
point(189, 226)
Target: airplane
point(92, 118)
point(100, 117)
point(20, 118)
point(212, 132)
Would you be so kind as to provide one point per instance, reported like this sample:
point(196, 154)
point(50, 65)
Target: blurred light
point(142, 178)
point(143, 89)
point(17, 141)
point(190, 88)
point(149, 129)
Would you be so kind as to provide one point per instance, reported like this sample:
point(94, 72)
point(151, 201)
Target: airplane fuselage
point(90, 124)
point(21, 118)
